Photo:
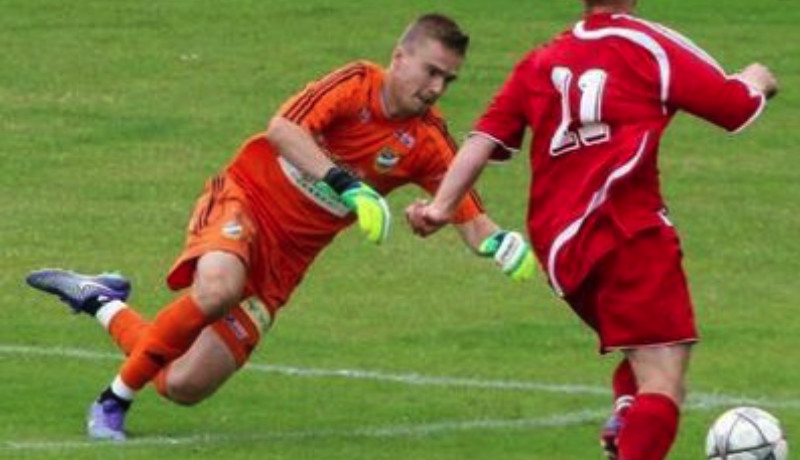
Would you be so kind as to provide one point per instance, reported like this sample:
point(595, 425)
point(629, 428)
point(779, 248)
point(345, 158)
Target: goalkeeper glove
point(370, 207)
point(511, 252)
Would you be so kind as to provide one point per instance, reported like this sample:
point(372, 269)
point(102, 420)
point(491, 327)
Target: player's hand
point(511, 252)
point(373, 213)
point(425, 219)
point(371, 209)
point(760, 77)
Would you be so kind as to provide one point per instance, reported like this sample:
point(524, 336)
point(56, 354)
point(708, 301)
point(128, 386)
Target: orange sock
point(172, 333)
point(127, 327)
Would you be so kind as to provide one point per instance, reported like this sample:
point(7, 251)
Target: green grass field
point(113, 113)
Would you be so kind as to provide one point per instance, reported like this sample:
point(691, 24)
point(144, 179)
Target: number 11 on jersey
point(591, 129)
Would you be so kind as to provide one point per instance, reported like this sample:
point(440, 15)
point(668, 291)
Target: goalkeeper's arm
point(296, 145)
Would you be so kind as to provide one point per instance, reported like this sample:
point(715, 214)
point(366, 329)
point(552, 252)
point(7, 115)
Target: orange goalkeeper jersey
point(344, 113)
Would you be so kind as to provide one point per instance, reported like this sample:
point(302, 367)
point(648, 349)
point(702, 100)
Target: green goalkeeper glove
point(373, 214)
point(511, 252)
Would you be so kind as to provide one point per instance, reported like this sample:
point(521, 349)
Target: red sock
point(127, 327)
point(624, 382)
point(650, 428)
point(172, 333)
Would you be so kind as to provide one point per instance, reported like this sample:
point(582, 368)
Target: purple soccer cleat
point(612, 427)
point(83, 293)
point(106, 421)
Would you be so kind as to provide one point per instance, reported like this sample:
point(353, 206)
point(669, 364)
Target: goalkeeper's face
point(419, 75)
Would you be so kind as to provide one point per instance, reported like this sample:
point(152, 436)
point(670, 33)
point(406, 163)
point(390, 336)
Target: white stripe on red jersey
point(639, 38)
point(598, 199)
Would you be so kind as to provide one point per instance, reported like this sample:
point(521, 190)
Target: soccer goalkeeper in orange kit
point(327, 159)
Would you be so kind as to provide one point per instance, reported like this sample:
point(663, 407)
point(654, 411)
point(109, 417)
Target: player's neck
point(386, 102)
point(391, 109)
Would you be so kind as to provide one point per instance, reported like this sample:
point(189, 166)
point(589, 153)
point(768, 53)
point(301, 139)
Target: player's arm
point(298, 147)
point(426, 218)
point(507, 248)
point(313, 110)
point(475, 231)
point(701, 87)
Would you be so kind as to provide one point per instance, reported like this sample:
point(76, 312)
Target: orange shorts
point(222, 221)
point(637, 295)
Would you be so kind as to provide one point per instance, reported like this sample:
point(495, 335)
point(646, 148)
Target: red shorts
point(637, 295)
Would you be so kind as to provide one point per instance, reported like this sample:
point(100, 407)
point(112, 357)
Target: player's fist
point(760, 77)
point(511, 253)
point(425, 219)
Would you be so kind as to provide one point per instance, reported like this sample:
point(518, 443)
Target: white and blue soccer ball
point(746, 433)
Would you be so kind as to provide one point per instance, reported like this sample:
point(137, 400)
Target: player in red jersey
point(598, 98)
point(331, 152)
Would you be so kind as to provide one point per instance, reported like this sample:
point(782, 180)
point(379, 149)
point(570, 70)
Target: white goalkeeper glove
point(511, 253)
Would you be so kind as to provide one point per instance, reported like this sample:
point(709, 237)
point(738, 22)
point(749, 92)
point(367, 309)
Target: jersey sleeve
point(321, 102)
point(504, 119)
point(700, 86)
point(439, 151)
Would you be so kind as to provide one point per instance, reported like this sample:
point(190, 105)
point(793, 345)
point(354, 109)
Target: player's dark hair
point(440, 28)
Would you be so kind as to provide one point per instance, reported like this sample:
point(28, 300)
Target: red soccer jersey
point(344, 112)
point(598, 98)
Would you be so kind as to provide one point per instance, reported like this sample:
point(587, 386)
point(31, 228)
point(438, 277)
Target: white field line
point(422, 380)
point(698, 401)
point(390, 431)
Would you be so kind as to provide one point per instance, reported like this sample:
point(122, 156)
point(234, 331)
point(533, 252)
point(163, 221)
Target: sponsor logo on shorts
point(233, 230)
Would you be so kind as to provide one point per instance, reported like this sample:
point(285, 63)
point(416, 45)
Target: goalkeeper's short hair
point(438, 27)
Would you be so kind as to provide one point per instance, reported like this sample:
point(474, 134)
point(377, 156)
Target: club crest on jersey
point(233, 230)
point(386, 159)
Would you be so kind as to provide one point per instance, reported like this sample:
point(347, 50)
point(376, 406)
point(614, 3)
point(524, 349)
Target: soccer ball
point(746, 433)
